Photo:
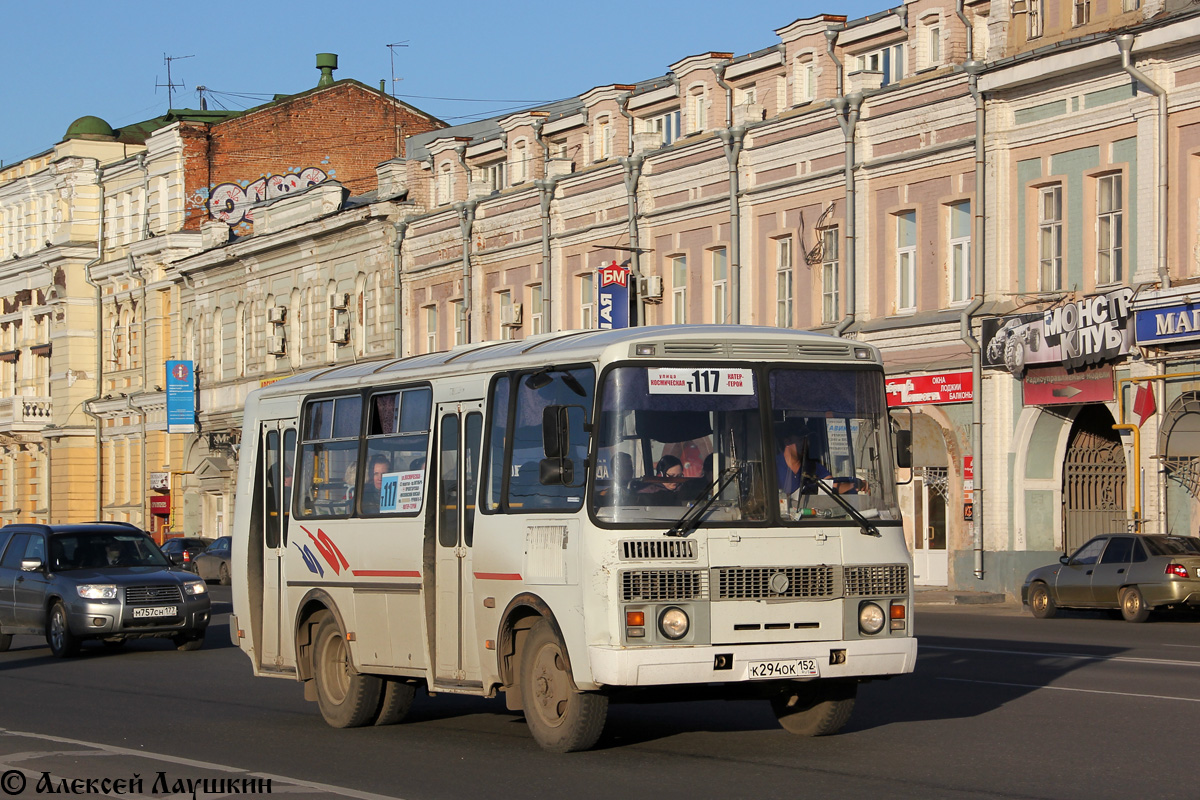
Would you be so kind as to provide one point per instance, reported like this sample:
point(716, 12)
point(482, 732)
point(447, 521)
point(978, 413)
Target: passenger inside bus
point(380, 465)
point(798, 462)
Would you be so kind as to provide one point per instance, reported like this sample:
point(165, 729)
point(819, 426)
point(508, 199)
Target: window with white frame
point(494, 175)
point(933, 43)
point(747, 96)
point(431, 329)
point(520, 168)
point(535, 309)
point(804, 80)
point(443, 184)
point(1082, 12)
point(697, 110)
point(587, 301)
point(1050, 238)
point(602, 147)
point(720, 284)
point(667, 125)
point(1110, 250)
point(1034, 19)
point(679, 290)
point(830, 279)
point(906, 261)
point(888, 60)
point(460, 322)
point(504, 302)
point(784, 277)
point(1131, 5)
point(960, 251)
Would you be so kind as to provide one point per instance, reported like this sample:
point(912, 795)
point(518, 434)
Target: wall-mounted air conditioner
point(277, 344)
point(510, 316)
point(339, 334)
point(339, 301)
point(277, 315)
point(652, 288)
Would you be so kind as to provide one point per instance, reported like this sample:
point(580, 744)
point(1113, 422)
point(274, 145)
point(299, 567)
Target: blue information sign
point(181, 397)
point(613, 297)
point(1167, 324)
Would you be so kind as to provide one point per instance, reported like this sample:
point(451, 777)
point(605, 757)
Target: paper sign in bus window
point(400, 492)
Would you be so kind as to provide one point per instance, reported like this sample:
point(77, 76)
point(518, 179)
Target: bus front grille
point(653, 585)
point(760, 583)
point(636, 550)
point(876, 579)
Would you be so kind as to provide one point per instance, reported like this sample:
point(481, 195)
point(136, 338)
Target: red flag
point(1143, 404)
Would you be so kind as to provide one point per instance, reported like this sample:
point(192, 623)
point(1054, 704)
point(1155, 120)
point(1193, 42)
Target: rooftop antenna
point(395, 112)
point(171, 86)
point(200, 90)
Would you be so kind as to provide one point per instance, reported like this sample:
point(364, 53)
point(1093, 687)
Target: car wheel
point(1133, 605)
point(224, 575)
point(5, 641)
point(63, 643)
point(818, 708)
point(1040, 602)
point(396, 701)
point(347, 698)
point(1014, 357)
point(189, 640)
point(561, 718)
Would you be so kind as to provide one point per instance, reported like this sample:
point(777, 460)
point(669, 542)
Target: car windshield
point(91, 550)
point(1172, 545)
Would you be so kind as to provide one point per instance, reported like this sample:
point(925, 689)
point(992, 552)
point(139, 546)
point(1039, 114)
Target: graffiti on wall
point(233, 203)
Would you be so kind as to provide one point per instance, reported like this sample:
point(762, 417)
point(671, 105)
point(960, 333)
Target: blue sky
point(105, 58)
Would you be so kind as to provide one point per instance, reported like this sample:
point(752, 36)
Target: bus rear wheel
point(395, 701)
point(561, 718)
point(819, 708)
point(347, 698)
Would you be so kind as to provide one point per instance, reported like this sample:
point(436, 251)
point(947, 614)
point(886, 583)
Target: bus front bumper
point(659, 666)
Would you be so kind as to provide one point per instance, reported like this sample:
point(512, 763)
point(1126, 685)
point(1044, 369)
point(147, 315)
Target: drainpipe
point(847, 109)
point(958, 9)
point(1125, 43)
point(401, 229)
point(537, 137)
point(633, 172)
point(733, 138)
point(87, 404)
point(466, 219)
point(719, 71)
point(623, 107)
point(831, 37)
point(545, 187)
point(964, 320)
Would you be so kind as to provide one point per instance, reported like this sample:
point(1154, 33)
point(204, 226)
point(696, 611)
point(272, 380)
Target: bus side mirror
point(556, 431)
point(904, 449)
point(556, 472)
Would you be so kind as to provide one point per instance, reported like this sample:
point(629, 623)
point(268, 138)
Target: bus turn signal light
point(635, 619)
point(897, 612)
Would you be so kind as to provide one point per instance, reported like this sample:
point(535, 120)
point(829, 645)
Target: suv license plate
point(795, 668)
point(156, 611)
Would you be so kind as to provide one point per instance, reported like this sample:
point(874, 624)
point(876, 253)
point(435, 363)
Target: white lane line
point(1075, 656)
point(340, 791)
point(1182, 645)
point(1069, 689)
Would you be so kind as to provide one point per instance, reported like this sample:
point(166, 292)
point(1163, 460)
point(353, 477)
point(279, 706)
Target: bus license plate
point(797, 668)
point(156, 611)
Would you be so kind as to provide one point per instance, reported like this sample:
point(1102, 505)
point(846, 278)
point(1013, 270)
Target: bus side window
point(330, 445)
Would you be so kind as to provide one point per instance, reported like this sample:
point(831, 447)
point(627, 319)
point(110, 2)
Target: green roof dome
point(90, 127)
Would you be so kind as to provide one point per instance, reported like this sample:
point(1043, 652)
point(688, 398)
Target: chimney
point(327, 63)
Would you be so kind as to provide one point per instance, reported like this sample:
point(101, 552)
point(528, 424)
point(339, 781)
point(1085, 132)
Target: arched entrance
point(1094, 478)
point(1179, 444)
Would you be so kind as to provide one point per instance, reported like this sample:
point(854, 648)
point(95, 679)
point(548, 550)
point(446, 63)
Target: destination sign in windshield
point(700, 380)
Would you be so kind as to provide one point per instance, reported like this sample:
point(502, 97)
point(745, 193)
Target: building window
point(804, 81)
point(830, 280)
point(460, 322)
point(783, 282)
point(1110, 264)
point(888, 60)
point(603, 146)
point(494, 176)
point(906, 261)
point(960, 252)
point(431, 325)
point(520, 170)
point(1050, 239)
point(535, 310)
point(505, 304)
point(444, 185)
point(1130, 5)
point(587, 301)
point(667, 125)
point(720, 285)
point(1082, 14)
point(696, 110)
point(933, 45)
point(679, 290)
point(1035, 19)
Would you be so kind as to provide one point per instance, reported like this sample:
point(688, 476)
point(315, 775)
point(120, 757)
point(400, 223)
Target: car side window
point(1089, 553)
point(15, 551)
point(1139, 552)
point(1119, 549)
point(36, 548)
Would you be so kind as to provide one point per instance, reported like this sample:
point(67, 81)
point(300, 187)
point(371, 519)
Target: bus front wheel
point(818, 708)
point(347, 698)
point(561, 718)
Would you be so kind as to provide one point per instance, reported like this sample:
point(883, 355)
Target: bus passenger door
point(460, 429)
point(278, 442)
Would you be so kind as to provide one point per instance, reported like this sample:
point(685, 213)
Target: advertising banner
point(181, 397)
point(946, 387)
point(613, 297)
point(1168, 324)
point(1054, 386)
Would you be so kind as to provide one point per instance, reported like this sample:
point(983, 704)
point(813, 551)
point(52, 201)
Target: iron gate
point(1093, 488)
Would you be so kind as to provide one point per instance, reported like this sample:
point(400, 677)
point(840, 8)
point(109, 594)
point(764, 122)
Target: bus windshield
point(667, 436)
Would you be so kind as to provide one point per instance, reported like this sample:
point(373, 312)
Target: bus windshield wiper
point(867, 528)
point(691, 518)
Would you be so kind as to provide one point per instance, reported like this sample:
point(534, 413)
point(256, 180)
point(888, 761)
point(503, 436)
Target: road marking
point(113, 750)
point(1076, 656)
point(1069, 689)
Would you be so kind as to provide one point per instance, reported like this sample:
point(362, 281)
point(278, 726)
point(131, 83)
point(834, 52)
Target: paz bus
point(576, 518)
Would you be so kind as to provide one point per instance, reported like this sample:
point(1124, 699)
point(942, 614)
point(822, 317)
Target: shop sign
point(160, 480)
point(181, 397)
point(613, 297)
point(160, 504)
point(946, 387)
point(223, 440)
point(1054, 386)
point(1074, 335)
point(1168, 324)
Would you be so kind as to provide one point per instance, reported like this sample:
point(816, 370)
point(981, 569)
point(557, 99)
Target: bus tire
point(818, 708)
point(347, 698)
point(561, 718)
point(395, 701)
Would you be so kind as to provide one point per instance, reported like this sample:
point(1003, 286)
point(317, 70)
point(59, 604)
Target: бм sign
point(613, 297)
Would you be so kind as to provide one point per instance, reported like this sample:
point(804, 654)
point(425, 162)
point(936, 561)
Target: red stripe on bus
point(497, 576)
point(386, 573)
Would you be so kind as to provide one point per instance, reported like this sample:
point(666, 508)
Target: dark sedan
point(105, 581)
point(182, 550)
point(213, 563)
point(1133, 573)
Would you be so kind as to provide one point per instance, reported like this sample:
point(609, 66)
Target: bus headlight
point(870, 618)
point(673, 622)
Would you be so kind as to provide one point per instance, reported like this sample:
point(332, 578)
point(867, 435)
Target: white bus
point(654, 513)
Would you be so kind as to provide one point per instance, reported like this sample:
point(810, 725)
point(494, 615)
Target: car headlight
point(673, 622)
point(194, 587)
point(871, 618)
point(97, 591)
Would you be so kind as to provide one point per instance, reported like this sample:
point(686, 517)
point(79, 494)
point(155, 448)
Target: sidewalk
point(939, 596)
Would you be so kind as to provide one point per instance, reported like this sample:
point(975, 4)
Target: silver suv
point(103, 580)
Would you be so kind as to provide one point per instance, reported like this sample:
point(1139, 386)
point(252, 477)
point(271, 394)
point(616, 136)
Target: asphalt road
point(1001, 705)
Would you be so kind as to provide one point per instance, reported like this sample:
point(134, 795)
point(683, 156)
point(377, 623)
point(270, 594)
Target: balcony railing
point(24, 414)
